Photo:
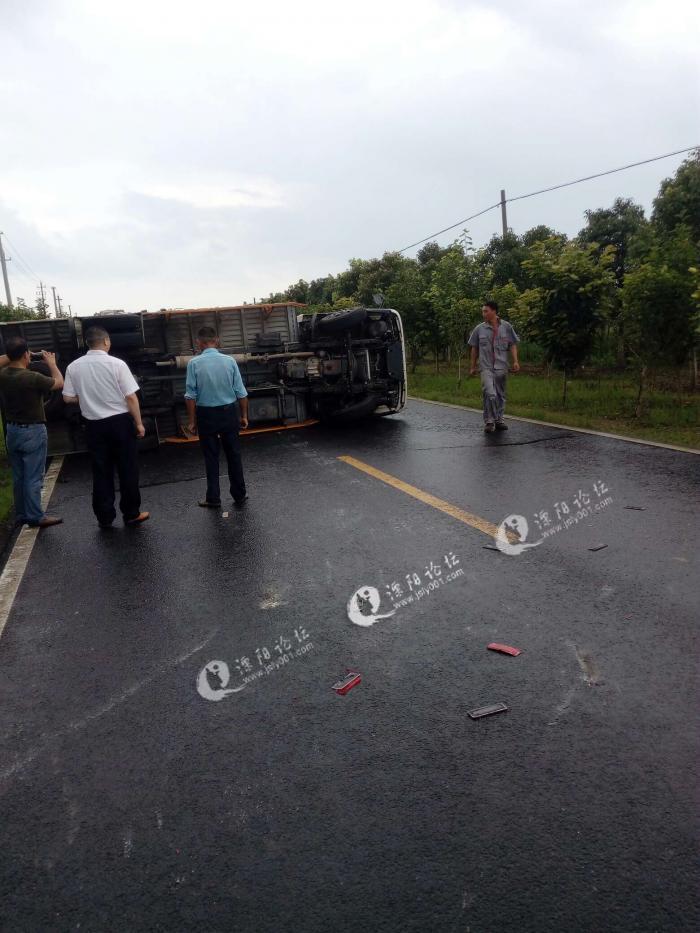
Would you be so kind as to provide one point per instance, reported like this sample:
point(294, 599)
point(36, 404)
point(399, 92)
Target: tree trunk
point(621, 347)
point(642, 378)
point(565, 385)
point(437, 362)
point(459, 371)
point(694, 370)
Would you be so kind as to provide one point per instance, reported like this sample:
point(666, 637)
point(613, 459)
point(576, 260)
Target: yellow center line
point(474, 520)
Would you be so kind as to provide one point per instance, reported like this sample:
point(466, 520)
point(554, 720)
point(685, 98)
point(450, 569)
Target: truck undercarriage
point(296, 367)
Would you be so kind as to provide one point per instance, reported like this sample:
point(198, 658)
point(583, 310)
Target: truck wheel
point(338, 321)
point(352, 412)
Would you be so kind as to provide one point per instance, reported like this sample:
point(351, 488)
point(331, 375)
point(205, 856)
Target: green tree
point(660, 308)
point(20, 311)
point(617, 227)
point(321, 290)
point(298, 292)
point(538, 234)
point(502, 259)
point(406, 295)
point(678, 201)
point(562, 313)
point(452, 299)
point(614, 226)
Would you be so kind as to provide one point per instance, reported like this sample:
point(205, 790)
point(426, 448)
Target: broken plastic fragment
point(598, 547)
point(224, 514)
point(504, 649)
point(352, 679)
point(488, 710)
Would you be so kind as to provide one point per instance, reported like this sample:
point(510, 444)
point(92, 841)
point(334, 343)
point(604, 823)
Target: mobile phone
point(488, 710)
point(36, 356)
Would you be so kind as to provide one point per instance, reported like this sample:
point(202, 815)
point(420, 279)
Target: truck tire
point(355, 411)
point(338, 321)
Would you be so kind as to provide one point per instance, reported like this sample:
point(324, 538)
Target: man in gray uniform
point(491, 341)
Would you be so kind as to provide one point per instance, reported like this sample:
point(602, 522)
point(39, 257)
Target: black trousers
point(112, 445)
point(218, 427)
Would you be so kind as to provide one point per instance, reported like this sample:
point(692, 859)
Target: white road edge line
point(22, 549)
point(564, 427)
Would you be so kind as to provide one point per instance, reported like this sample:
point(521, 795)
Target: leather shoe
point(501, 426)
point(47, 521)
point(209, 505)
point(141, 517)
point(239, 503)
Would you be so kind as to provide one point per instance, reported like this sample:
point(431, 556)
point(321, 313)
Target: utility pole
point(55, 306)
point(70, 311)
point(504, 217)
point(60, 307)
point(42, 300)
point(3, 263)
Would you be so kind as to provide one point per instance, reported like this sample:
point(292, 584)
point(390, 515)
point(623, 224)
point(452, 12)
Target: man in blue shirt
point(213, 393)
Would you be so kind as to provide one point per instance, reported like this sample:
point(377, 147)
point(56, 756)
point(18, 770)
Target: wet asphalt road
point(130, 802)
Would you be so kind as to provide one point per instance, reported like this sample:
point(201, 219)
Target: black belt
point(25, 424)
point(206, 408)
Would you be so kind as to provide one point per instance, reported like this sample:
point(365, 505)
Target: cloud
point(161, 154)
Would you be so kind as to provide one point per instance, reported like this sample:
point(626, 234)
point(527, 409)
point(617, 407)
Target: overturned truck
point(296, 367)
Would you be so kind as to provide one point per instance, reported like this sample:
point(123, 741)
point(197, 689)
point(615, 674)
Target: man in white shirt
point(106, 390)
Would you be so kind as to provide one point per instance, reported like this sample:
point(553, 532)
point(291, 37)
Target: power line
point(611, 171)
point(21, 258)
point(532, 194)
point(20, 273)
point(458, 224)
point(21, 269)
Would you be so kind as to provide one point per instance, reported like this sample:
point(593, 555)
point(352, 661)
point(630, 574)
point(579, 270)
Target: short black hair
point(16, 347)
point(491, 304)
point(206, 334)
point(95, 335)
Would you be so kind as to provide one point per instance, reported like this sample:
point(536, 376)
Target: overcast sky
point(158, 153)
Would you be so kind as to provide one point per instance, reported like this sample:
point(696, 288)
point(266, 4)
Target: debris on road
point(488, 710)
point(598, 547)
point(504, 649)
point(635, 508)
point(352, 679)
point(589, 668)
point(224, 514)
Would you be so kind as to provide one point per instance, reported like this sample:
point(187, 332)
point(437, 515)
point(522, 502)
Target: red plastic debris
point(352, 679)
point(504, 649)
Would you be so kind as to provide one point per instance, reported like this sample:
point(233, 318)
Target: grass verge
point(600, 403)
point(6, 499)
